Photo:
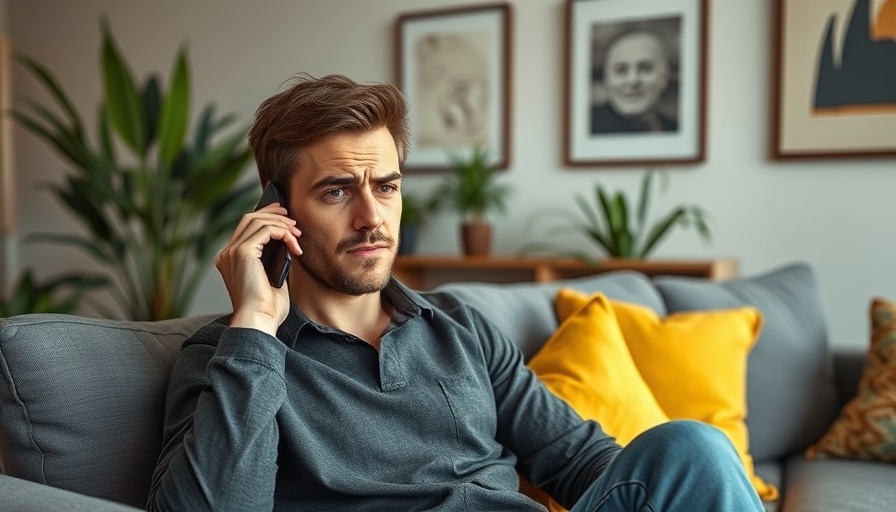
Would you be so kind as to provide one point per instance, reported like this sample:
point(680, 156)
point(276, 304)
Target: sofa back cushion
point(525, 311)
point(82, 400)
point(791, 396)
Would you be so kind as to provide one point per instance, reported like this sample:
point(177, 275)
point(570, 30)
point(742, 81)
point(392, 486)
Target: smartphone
point(275, 257)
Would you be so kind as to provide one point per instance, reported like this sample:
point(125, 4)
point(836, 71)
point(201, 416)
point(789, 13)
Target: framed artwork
point(635, 90)
point(454, 68)
point(834, 86)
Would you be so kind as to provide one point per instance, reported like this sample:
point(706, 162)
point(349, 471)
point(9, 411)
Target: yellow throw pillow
point(695, 364)
point(587, 364)
point(588, 353)
point(866, 427)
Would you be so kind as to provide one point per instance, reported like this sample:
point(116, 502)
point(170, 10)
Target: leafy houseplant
point(473, 192)
point(618, 231)
point(57, 295)
point(413, 214)
point(155, 214)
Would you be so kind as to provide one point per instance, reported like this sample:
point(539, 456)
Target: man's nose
point(367, 212)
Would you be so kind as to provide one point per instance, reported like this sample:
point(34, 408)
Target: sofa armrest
point(849, 362)
point(26, 496)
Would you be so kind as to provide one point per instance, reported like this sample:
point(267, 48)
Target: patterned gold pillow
point(866, 428)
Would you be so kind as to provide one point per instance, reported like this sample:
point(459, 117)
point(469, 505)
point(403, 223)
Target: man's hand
point(257, 304)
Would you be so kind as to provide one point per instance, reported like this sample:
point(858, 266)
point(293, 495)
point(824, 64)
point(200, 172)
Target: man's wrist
point(254, 320)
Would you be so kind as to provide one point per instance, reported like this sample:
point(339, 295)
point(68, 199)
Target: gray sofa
point(81, 400)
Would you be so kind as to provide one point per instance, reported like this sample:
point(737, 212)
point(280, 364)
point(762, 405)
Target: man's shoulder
point(210, 333)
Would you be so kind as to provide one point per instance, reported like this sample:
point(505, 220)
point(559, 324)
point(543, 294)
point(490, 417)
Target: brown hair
point(314, 108)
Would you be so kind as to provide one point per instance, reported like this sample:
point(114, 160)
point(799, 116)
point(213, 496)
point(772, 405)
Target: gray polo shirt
point(440, 418)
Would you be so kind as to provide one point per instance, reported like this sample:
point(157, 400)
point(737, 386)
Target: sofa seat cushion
point(772, 471)
point(27, 496)
point(838, 485)
point(82, 400)
point(791, 394)
point(524, 312)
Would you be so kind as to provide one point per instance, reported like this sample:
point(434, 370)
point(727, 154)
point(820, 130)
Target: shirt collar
point(406, 304)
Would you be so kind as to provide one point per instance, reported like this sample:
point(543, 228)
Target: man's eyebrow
point(342, 181)
point(334, 181)
point(392, 176)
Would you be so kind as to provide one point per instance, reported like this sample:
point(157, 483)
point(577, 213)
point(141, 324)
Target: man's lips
point(368, 248)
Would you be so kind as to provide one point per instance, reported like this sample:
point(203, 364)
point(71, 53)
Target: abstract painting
point(835, 79)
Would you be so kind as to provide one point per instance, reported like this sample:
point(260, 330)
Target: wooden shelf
point(424, 272)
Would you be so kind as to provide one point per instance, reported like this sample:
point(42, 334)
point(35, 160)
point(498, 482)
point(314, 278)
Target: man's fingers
point(254, 222)
point(271, 212)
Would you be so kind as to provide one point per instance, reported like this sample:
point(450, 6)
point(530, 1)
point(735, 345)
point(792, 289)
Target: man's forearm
point(220, 446)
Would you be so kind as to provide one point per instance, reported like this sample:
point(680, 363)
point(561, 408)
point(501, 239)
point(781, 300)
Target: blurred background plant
point(472, 191)
point(154, 215)
point(414, 212)
point(60, 294)
point(609, 222)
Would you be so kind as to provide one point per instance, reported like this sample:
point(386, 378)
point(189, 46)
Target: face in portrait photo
point(634, 78)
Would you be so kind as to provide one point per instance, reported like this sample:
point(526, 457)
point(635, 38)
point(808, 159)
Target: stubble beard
point(357, 280)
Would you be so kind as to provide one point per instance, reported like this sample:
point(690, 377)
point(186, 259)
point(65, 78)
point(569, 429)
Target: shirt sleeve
point(220, 435)
point(557, 450)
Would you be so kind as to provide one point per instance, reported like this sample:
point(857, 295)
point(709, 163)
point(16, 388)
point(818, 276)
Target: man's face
point(636, 74)
point(346, 200)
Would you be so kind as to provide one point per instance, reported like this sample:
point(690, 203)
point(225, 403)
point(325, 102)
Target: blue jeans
point(678, 466)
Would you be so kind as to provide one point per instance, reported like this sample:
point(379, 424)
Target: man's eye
point(388, 189)
point(336, 193)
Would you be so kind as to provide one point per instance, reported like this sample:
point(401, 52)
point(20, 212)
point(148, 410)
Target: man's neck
point(365, 316)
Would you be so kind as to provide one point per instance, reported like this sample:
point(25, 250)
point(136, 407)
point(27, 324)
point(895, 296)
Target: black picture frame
point(635, 91)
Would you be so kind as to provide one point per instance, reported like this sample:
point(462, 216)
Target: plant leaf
point(661, 229)
point(644, 203)
point(59, 140)
point(84, 244)
point(123, 102)
point(152, 100)
point(173, 124)
point(620, 229)
point(604, 202)
point(52, 85)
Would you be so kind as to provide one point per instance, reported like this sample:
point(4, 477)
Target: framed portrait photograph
point(453, 65)
point(834, 85)
point(635, 82)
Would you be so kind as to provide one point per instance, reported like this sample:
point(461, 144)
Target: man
point(344, 390)
point(635, 74)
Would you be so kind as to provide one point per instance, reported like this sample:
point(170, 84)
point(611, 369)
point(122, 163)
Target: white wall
point(834, 214)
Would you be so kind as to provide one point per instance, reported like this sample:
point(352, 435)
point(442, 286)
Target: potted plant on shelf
point(155, 204)
point(618, 231)
point(473, 192)
point(413, 214)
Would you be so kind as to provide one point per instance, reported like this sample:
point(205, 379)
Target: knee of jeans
point(694, 436)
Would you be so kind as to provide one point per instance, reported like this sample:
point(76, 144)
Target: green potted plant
point(413, 215)
point(473, 192)
point(618, 231)
point(155, 204)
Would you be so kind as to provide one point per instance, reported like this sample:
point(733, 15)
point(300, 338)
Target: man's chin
point(370, 276)
point(370, 282)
